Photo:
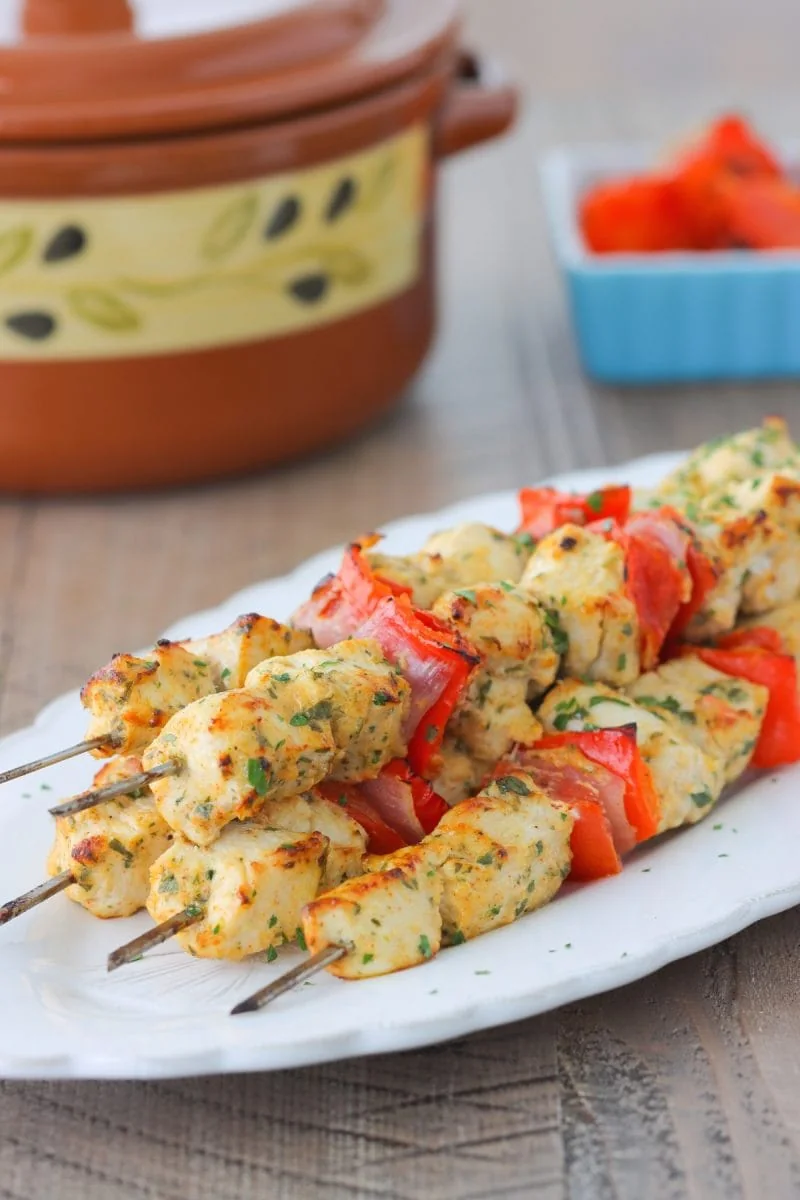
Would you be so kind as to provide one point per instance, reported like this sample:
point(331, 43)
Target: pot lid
point(76, 70)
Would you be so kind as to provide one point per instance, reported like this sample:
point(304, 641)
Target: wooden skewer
point(134, 950)
point(292, 979)
point(51, 887)
point(122, 787)
point(51, 759)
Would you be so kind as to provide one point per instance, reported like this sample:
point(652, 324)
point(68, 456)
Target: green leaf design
point(103, 309)
point(379, 184)
point(344, 264)
point(229, 227)
point(14, 245)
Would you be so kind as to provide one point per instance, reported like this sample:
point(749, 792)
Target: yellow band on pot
point(113, 277)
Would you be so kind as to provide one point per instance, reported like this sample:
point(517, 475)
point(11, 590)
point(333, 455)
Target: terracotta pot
point(218, 253)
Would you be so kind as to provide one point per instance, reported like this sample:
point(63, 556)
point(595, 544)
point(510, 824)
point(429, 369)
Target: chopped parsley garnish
point(702, 799)
point(486, 859)
point(272, 954)
point(320, 711)
point(622, 662)
point(300, 938)
point(510, 783)
point(595, 501)
point(424, 945)
point(466, 594)
point(367, 958)
point(257, 776)
point(457, 938)
point(381, 698)
point(671, 704)
point(431, 733)
point(116, 845)
point(168, 884)
point(560, 639)
point(225, 674)
point(204, 811)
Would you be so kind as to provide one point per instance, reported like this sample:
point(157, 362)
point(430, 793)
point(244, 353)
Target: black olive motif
point(342, 198)
point(65, 243)
point(35, 326)
point(283, 218)
point(310, 289)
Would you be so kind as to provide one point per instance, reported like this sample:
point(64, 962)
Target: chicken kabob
point(551, 811)
point(131, 698)
point(520, 660)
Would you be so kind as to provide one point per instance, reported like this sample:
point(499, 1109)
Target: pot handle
point(479, 106)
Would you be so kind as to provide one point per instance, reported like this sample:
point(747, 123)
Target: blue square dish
point(667, 318)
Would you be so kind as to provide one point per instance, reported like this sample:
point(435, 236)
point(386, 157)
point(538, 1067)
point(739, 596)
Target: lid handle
point(55, 18)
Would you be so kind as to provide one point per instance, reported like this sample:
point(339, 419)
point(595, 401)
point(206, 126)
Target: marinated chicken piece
point(387, 919)
point(132, 698)
point(357, 690)
point(230, 655)
point(459, 557)
point(514, 636)
point(311, 813)
point(508, 853)
point(110, 848)
point(249, 889)
point(233, 750)
point(719, 714)
point(491, 859)
point(579, 577)
point(688, 780)
point(726, 460)
point(459, 773)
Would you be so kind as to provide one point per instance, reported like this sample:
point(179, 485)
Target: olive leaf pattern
point(14, 246)
point(303, 273)
point(230, 227)
point(103, 309)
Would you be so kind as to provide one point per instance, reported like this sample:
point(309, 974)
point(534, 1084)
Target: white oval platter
point(167, 1015)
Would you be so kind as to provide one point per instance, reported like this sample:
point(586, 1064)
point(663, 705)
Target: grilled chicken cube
point(352, 686)
point(512, 633)
point(507, 853)
point(459, 557)
point(110, 848)
point(387, 919)
point(726, 460)
point(248, 889)
point(460, 774)
point(719, 714)
point(232, 751)
point(687, 779)
point(579, 576)
point(131, 698)
point(311, 813)
point(250, 639)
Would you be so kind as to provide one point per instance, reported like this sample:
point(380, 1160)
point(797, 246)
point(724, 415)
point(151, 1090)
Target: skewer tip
point(134, 950)
point(297, 975)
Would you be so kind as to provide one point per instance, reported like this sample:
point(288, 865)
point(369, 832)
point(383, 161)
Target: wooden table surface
point(686, 1084)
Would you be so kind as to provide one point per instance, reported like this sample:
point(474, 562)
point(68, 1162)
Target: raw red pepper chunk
point(779, 740)
point(594, 855)
point(633, 216)
point(545, 509)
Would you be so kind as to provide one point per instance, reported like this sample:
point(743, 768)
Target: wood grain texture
point(686, 1085)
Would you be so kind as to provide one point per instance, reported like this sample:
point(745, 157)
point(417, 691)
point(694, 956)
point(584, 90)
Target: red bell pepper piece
point(546, 509)
point(656, 582)
point(760, 637)
point(594, 855)
point(340, 603)
point(382, 838)
point(435, 660)
point(617, 751)
point(779, 740)
point(761, 214)
point(637, 216)
point(729, 150)
point(405, 801)
point(591, 793)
